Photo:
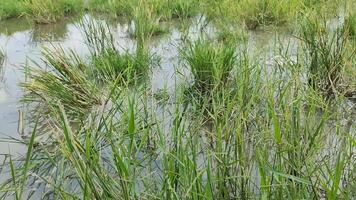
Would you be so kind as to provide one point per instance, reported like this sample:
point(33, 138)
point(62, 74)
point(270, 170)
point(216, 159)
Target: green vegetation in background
point(49, 11)
point(145, 24)
point(11, 8)
point(260, 13)
point(164, 9)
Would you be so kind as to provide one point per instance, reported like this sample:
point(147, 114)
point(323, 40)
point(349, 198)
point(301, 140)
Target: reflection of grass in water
point(10, 26)
point(2, 60)
point(50, 32)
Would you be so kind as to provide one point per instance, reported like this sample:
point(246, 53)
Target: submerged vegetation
point(264, 125)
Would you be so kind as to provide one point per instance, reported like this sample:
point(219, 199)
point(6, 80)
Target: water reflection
point(23, 41)
point(13, 25)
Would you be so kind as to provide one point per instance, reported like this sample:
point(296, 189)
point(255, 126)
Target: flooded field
point(184, 104)
point(22, 44)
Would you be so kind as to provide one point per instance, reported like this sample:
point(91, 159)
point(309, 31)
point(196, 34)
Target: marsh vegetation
point(233, 119)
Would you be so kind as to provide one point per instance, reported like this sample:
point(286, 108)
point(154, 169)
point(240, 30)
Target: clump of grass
point(183, 8)
point(11, 8)
point(111, 65)
point(326, 55)
point(257, 13)
point(116, 7)
point(145, 23)
point(209, 62)
point(107, 63)
point(350, 25)
point(49, 11)
point(65, 82)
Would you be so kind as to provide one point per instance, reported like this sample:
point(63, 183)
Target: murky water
point(22, 43)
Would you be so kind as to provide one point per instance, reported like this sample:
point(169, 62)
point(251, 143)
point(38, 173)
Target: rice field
point(181, 99)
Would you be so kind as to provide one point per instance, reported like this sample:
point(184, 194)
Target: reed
point(145, 24)
point(210, 63)
point(11, 8)
point(49, 11)
point(64, 81)
point(326, 55)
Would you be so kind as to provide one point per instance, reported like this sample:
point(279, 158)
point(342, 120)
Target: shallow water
point(22, 43)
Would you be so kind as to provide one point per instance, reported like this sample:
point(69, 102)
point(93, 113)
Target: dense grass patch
point(145, 24)
point(350, 25)
point(111, 65)
point(209, 62)
point(11, 8)
point(64, 82)
point(49, 11)
point(327, 55)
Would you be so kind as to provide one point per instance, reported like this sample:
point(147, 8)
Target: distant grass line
point(40, 11)
point(250, 13)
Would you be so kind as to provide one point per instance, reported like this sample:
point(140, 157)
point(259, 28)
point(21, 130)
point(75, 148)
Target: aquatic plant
point(350, 25)
point(111, 65)
point(257, 131)
point(49, 11)
point(326, 55)
point(209, 62)
point(145, 24)
point(183, 8)
point(11, 8)
point(266, 12)
point(107, 63)
point(256, 125)
point(116, 7)
point(63, 81)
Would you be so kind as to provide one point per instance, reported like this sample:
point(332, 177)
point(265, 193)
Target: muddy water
point(22, 43)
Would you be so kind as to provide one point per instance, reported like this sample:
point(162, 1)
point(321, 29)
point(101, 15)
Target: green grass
point(350, 25)
point(65, 82)
point(257, 130)
point(210, 63)
point(11, 8)
point(107, 63)
point(49, 11)
point(145, 24)
point(117, 7)
point(327, 54)
point(111, 65)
